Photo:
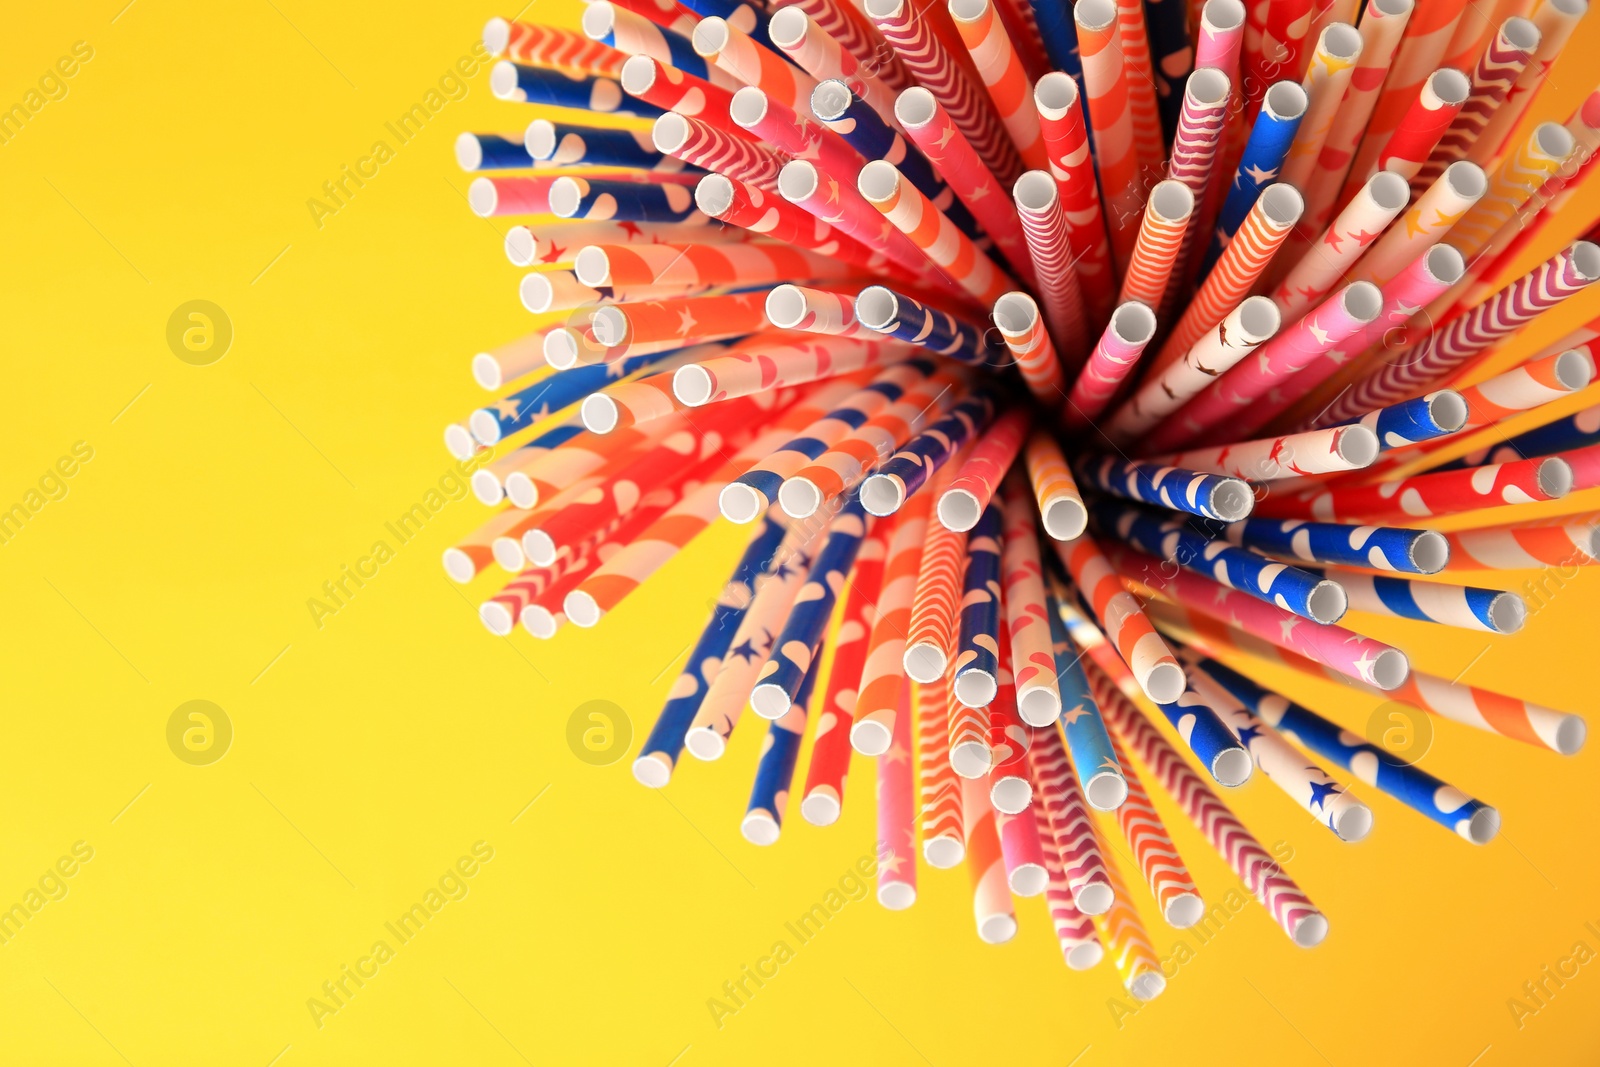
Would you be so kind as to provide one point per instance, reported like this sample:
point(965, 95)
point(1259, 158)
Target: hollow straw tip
point(521, 491)
point(458, 565)
point(1095, 898)
point(882, 494)
point(486, 487)
point(1184, 910)
point(496, 618)
point(943, 853)
point(976, 688)
point(740, 504)
point(820, 807)
point(896, 896)
point(759, 828)
point(1106, 790)
point(924, 662)
point(1011, 795)
point(1038, 706)
point(581, 609)
point(508, 553)
point(971, 759)
point(469, 151)
point(1085, 956)
point(870, 738)
point(704, 743)
point(652, 770)
point(1028, 880)
point(1164, 683)
point(770, 701)
point(1482, 827)
point(1310, 930)
point(1232, 767)
point(1353, 823)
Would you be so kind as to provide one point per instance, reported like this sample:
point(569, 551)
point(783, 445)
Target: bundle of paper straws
point(1054, 354)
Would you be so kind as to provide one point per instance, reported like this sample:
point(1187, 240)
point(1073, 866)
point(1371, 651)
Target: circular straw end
point(1106, 791)
point(1231, 767)
point(739, 503)
point(1085, 956)
point(652, 771)
point(1029, 880)
point(769, 701)
point(1353, 823)
point(1038, 706)
point(799, 497)
point(705, 744)
point(1483, 826)
point(1165, 683)
point(943, 853)
point(897, 896)
point(759, 828)
point(870, 738)
point(1094, 899)
point(976, 688)
point(924, 663)
point(1310, 931)
point(997, 929)
point(496, 617)
point(1011, 796)
point(971, 759)
point(1570, 735)
point(1184, 910)
point(820, 809)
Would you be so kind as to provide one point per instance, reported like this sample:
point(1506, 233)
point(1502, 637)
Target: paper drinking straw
point(1253, 390)
point(633, 201)
point(510, 361)
point(1426, 37)
point(885, 491)
point(663, 325)
point(793, 134)
point(1451, 350)
point(820, 55)
point(709, 148)
point(1378, 547)
point(498, 197)
point(1493, 611)
point(1307, 594)
point(1227, 284)
point(794, 649)
point(785, 359)
point(1555, 20)
point(1033, 667)
point(1350, 654)
point(492, 151)
point(1205, 735)
point(840, 206)
point(900, 316)
point(1126, 941)
point(847, 24)
point(939, 789)
point(1203, 114)
point(950, 78)
point(1362, 221)
point(471, 556)
point(1372, 764)
point(1519, 176)
point(636, 35)
point(1023, 852)
point(765, 214)
point(1245, 329)
point(1308, 785)
point(1424, 418)
point(550, 46)
point(1570, 540)
point(1074, 930)
point(1167, 214)
point(1070, 825)
point(1482, 709)
point(1055, 493)
point(935, 605)
point(1527, 385)
point(970, 756)
point(817, 311)
point(1435, 109)
point(1261, 874)
point(1333, 63)
point(1472, 34)
point(991, 896)
point(670, 89)
point(976, 665)
point(844, 463)
point(1111, 122)
point(490, 487)
point(751, 18)
point(548, 470)
point(1430, 218)
point(1211, 496)
point(556, 244)
point(1497, 70)
point(1432, 494)
point(1275, 45)
point(729, 690)
point(948, 158)
point(1000, 69)
point(1048, 235)
point(1570, 432)
point(1111, 363)
point(976, 483)
point(1010, 789)
point(1382, 24)
point(845, 114)
point(668, 14)
point(930, 231)
point(1133, 42)
point(1127, 629)
point(879, 707)
point(1098, 763)
point(733, 50)
point(897, 829)
point(691, 265)
point(557, 88)
point(1058, 35)
point(1016, 316)
point(1023, 28)
point(769, 794)
point(526, 407)
point(1175, 893)
point(750, 494)
point(1066, 142)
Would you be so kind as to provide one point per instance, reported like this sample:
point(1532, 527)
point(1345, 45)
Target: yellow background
point(369, 754)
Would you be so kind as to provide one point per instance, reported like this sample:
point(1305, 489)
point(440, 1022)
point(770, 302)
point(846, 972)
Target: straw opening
point(1341, 40)
point(876, 308)
point(469, 151)
point(1172, 201)
point(1094, 14)
point(565, 196)
point(1573, 369)
point(1208, 85)
point(1430, 552)
point(691, 384)
point(714, 195)
point(831, 99)
point(1223, 14)
point(1555, 477)
point(1446, 263)
point(914, 107)
point(878, 181)
point(1134, 322)
point(881, 495)
point(797, 180)
point(924, 663)
point(1521, 33)
point(592, 266)
point(482, 197)
point(1448, 408)
point(1389, 190)
point(1328, 602)
point(1260, 317)
point(749, 106)
point(787, 28)
point(1165, 683)
point(535, 290)
point(1282, 203)
point(638, 74)
point(1035, 191)
point(710, 37)
point(959, 510)
point(669, 132)
point(1013, 313)
point(1054, 94)
point(1106, 791)
point(1286, 100)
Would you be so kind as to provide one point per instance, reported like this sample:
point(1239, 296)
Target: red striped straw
point(1495, 72)
point(703, 145)
point(975, 484)
point(1049, 244)
point(1206, 99)
point(929, 127)
point(769, 215)
point(1556, 20)
point(995, 57)
point(1166, 220)
point(939, 790)
point(1105, 81)
point(1017, 317)
point(913, 35)
point(915, 216)
point(1067, 144)
point(856, 34)
point(1131, 327)
point(636, 35)
point(820, 55)
point(793, 134)
point(551, 46)
point(1133, 41)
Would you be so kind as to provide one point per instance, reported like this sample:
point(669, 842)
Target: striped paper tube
point(879, 707)
point(885, 490)
point(848, 25)
point(780, 751)
point(1105, 80)
point(1555, 20)
point(1066, 141)
point(1381, 548)
point(793, 135)
point(976, 667)
point(1133, 41)
point(765, 214)
point(731, 49)
point(1074, 930)
point(1099, 767)
point(630, 32)
point(939, 789)
point(1016, 316)
point(1430, 495)
point(995, 58)
point(1056, 495)
point(1520, 175)
point(696, 265)
point(931, 232)
point(970, 757)
point(1010, 789)
point(1211, 496)
point(819, 311)
point(1154, 667)
point(1167, 214)
point(821, 55)
point(935, 605)
point(670, 89)
point(1127, 943)
point(1494, 611)
point(1261, 874)
point(756, 365)
point(1573, 431)
point(551, 46)
point(1497, 70)
point(565, 144)
point(1057, 787)
point(1111, 363)
point(560, 88)
point(1159, 860)
point(1204, 112)
point(1033, 668)
point(901, 317)
point(1333, 64)
point(1418, 133)
point(1048, 236)
point(1567, 541)
point(975, 484)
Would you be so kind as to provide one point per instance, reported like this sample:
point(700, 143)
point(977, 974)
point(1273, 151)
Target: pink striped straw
point(929, 127)
point(1502, 62)
point(705, 146)
point(1166, 220)
point(1242, 400)
point(1556, 20)
point(1131, 327)
point(1017, 317)
point(822, 57)
point(1070, 825)
point(1066, 142)
point(910, 32)
point(1206, 99)
point(998, 65)
point(1045, 226)
point(1236, 272)
point(1105, 80)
